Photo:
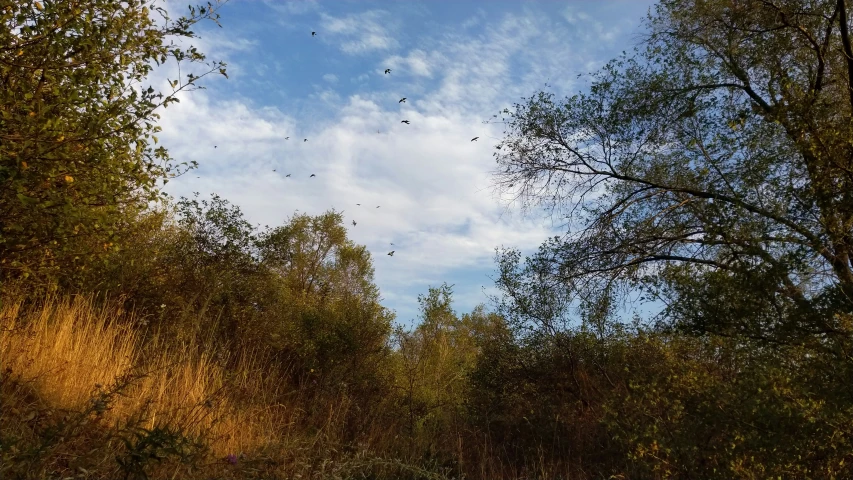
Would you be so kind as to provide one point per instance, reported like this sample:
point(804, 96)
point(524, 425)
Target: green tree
point(713, 170)
point(314, 256)
point(434, 361)
point(326, 306)
point(78, 146)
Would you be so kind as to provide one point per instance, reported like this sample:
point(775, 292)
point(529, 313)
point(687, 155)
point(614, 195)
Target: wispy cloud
point(418, 63)
point(431, 182)
point(361, 32)
point(294, 7)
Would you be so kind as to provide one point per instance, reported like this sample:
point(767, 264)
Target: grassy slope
point(78, 370)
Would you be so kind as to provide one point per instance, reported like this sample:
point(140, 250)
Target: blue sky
point(457, 62)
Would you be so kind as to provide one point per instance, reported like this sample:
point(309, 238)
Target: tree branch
point(848, 49)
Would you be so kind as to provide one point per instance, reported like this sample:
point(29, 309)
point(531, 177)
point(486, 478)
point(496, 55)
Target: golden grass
point(66, 350)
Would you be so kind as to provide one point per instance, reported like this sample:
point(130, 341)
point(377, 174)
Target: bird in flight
point(312, 175)
point(274, 170)
point(377, 206)
point(214, 146)
point(358, 204)
point(474, 139)
point(305, 140)
point(353, 223)
point(403, 100)
point(387, 71)
point(391, 253)
point(406, 122)
point(313, 34)
point(287, 176)
point(287, 138)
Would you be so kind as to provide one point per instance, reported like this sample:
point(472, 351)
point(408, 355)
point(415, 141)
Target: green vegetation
point(712, 171)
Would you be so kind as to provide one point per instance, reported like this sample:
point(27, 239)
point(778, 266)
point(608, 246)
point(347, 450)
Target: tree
point(78, 146)
point(434, 361)
point(712, 170)
point(314, 255)
point(324, 304)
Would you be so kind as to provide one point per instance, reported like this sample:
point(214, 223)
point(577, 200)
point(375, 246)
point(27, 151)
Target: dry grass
point(62, 357)
point(67, 350)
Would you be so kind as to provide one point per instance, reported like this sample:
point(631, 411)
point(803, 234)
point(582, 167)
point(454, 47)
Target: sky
point(457, 63)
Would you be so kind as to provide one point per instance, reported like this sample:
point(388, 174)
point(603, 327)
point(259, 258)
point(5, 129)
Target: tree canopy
point(712, 169)
point(78, 146)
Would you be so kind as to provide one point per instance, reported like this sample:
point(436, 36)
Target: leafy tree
point(326, 309)
point(713, 170)
point(313, 255)
point(434, 361)
point(78, 146)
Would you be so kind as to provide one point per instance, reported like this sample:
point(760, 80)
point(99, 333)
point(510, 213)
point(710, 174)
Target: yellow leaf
point(20, 52)
point(39, 6)
point(61, 138)
point(32, 114)
point(69, 178)
point(24, 165)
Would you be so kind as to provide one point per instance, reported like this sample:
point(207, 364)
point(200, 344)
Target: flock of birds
point(407, 122)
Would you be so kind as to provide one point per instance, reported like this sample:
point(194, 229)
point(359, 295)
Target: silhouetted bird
point(288, 175)
point(313, 34)
point(312, 175)
point(391, 253)
point(274, 170)
point(353, 223)
point(403, 100)
point(214, 146)
point(406, 122)
point(377, 206)
point(287, 138)
point(358, 204)
point(474, 139)
point(387, 71)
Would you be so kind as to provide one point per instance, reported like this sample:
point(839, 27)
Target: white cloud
point(591, 29)
point(418, 63)
point(474, 20)
point(360, 33)
point(429, 179)
point(293, 8)
point(360, 79)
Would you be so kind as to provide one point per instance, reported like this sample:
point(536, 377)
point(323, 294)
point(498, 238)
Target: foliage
point(643, 404)
point(327, 309)
point(433, 363)
point(78, 146)
point(711, 170)
point(169, 411)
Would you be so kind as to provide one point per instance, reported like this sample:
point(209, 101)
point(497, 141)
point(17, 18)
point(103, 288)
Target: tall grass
point(67, 350)
point(88, 392)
